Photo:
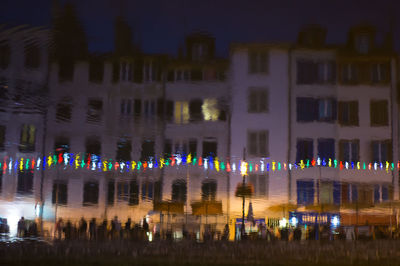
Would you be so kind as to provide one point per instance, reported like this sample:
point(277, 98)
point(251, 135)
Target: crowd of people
point(27, 228)
point(93, 231)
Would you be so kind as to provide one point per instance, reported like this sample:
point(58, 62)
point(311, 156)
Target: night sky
point(159, 25)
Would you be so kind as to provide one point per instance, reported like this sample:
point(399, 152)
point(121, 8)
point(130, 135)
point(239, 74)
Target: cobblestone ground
point(192, 253)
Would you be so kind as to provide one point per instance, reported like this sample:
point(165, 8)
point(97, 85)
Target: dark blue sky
point(159, 25)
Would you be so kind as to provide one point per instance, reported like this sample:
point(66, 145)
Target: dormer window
point(199, 52)
point(362, 43)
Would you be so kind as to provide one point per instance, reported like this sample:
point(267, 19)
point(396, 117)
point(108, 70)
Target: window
point(199, 52)
point(179, 191)
point(305, 150)
point(5, 54)
point(379, 113)
point(380, 72)
point(147, 150)
point(257, 143)
point(182, 75)
point(2, 137)
point(133, 193)
point(381, 151)
point(96, 70)
point(25, 182)
point(326, 149)
point(147, 190)
point(195, 110)
point(310, 72)
point(149, 108)
point(169, 112)
point(126, 107)
point(93, 146)
point(209, 147)
point(60, 193)
point(348, 113)
point(349, 73)
point(110, 192)
point(66, 70)
point(28, 138)
point(258, 62)
point(124, 149)
point(326, 72)
point(349, 150)
point(181, 112)
point(32, 56)
point(260, 184)
point(210, 110)
point(329, 192)
point(137, 108)
point(180, 147)
point(150, 71)
point(305, 192)
point(196, 75)
point(362, 43)
point(90, 193)
point(167, 148)
point(306, 109)
point(257, 101)
point(326, 110)
point(94, 112)
point(126, 71)
point(122, 191)
point(208, 190)
point(63, 112)
point(61, 145)
point(116, 69)
point(193, 147)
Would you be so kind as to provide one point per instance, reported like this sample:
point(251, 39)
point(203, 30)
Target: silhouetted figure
point(128, 228)
point(297, 234)
point(59, 228)
point(21, 227)
point(225, 234)
point(102, 230)
point(33, 229)
point(284, 234)
point(68, 230)
point(92, 229)
point(145, 225)
point(82, 228)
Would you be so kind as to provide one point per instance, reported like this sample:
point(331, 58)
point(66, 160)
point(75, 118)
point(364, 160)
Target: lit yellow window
point(181, 112)
point(210, 110)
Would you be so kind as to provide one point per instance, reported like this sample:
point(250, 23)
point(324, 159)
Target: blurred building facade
point(268, 104)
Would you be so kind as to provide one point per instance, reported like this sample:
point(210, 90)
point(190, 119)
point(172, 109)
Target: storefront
point(251, 227)
point(313, 224)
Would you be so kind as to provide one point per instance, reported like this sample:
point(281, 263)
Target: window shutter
point(342, 144)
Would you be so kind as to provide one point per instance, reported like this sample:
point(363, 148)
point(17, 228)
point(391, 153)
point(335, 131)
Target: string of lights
point(94, 162)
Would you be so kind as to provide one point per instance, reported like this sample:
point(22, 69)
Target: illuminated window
point(210, 109)
point(181, 112)
point(28, 137)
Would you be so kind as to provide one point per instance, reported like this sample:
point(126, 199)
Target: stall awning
point(207, 208)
